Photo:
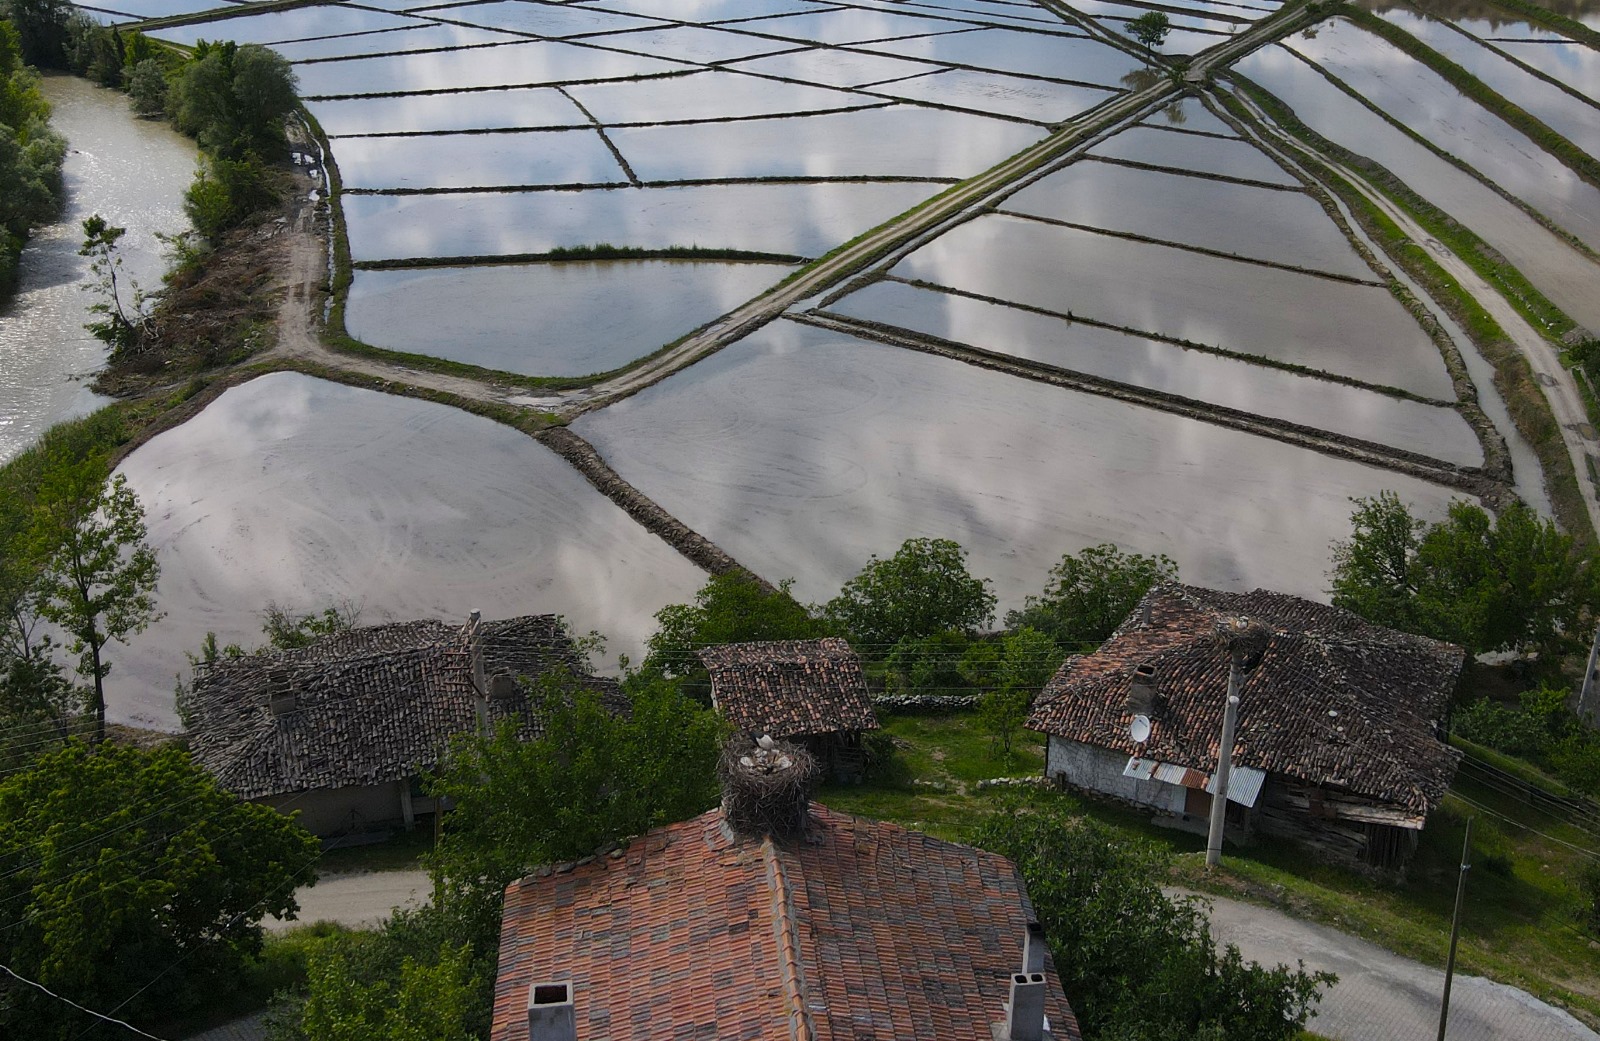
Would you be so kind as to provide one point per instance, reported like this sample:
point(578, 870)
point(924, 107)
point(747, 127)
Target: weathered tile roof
point(789, 688)
point(370, 705)
point(1335, 702)
point(860, 930)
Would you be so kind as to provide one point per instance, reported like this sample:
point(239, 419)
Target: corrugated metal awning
point(1244, 782)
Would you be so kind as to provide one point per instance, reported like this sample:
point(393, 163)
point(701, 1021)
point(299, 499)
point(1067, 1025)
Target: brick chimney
point(551, 1013)
point(281, 699)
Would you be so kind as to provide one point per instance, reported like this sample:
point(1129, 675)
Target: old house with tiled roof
point(743, 923)
point(340, 730)
point(1337, 742)
point(810, 691)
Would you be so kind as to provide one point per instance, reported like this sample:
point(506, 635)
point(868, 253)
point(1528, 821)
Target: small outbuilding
point(340, 730)
point(812, 692)
point(1338, 743)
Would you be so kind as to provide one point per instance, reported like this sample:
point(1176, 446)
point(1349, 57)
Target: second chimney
point(551, 1014)
point(1025, 1014)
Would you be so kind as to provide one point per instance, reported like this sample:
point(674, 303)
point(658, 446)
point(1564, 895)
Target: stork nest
point(1245, 638)
point(766, 786)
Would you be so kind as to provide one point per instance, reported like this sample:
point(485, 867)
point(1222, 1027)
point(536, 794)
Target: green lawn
point(1521, 921)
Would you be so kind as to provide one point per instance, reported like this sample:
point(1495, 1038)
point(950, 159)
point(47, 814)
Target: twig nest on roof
point(1245, 638)
point(766, 787)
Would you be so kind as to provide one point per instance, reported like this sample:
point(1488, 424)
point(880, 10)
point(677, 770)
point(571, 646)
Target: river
point(131, 171)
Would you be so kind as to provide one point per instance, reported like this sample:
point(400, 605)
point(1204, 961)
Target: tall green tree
point(1140, 965)
point(428, 1000)
point(120, 327)
point(1090, 593)
point(100, 582)
point(41, 29)
point(1150, 29)
point(233, 99)
point(1513, 582)
point(922, 590)
point(129, 881)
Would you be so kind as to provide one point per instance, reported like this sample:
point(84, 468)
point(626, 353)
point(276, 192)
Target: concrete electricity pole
point(1246, 641)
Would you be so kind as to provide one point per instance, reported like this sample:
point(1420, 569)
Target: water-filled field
point(1196, 343)
point(296, 491)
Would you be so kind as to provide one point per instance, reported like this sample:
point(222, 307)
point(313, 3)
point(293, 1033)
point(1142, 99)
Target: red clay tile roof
point(789, 688)
point(861, 930)
point(1336, 702)
point(372, 705)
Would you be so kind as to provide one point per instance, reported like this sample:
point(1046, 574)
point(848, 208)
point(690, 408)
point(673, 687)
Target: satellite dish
point(1140, 729)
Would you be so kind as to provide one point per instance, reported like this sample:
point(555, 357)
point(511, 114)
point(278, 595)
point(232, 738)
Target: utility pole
point(1586, 692)
point(1219, 798)
point(1455, 927)
point(1246, 641)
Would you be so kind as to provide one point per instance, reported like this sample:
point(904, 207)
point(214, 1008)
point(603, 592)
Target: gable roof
point(1335, 702)
point(371, 705)
point(859, 930)
point(790, 687)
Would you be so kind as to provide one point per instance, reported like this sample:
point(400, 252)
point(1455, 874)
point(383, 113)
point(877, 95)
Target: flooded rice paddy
point(306, 493)
point(474, 139)
point(551, 319)
point(1357, 331)
point(801, 452)
point(1232, 383)
point(1571, 281)
point(1282, 227)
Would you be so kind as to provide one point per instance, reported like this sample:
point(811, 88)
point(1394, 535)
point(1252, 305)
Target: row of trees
point(30, 156)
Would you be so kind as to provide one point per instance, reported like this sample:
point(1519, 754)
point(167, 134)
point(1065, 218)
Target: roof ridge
point(794, 986)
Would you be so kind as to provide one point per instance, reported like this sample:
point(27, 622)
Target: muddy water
point(1260, 223)
point(713, 94)
point(836, 68)
point(1245, 387)
point(419, 37)
point(527, 108)
point(302, 23)
point(547, 20)
point(1559, 272)
point(700, 44)
point(305, 492)
point(514, 65)
point(1359, 331)
point(1418, 98)
point(801, 452)
point(552, 319)
point(133, 173)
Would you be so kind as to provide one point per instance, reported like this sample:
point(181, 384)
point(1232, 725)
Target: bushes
point(1541, 730)
point(228, 192)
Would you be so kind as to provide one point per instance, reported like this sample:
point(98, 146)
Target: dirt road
point(361, 901)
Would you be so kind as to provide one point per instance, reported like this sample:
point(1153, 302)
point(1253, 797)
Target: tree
point(147, 87)
point(116, 329)
point(130, 882)
point(101, 580)
point(1150, 29)
point(730, 608)
point(41, 29)
point(425, 1000)
point(1024, 663)
point(234, 99)
point(1090, 594)
point(590, 777)
point(922, 590)
point(1373, 572)
point(1139, 965)
point(1508, 583)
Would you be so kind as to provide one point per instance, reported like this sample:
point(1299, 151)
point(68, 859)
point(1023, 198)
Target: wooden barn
point(1338, 742)
point(812, 692)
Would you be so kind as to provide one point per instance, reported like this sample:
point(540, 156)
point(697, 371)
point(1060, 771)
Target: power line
point(98, 1015)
